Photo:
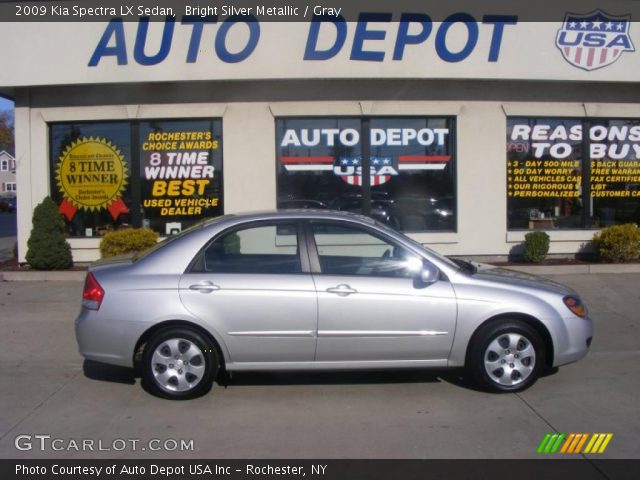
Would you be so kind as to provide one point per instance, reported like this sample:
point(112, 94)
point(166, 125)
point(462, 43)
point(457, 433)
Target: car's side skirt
point(373, 364)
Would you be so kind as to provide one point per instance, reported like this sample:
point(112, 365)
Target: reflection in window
point(353, 251)
point(271, 249)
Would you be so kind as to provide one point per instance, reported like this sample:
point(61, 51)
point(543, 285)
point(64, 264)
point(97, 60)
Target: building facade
point(473, 131)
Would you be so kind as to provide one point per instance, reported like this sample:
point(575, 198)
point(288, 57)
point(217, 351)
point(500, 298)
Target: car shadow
point(458, 377)
point(109, 373)
point(347, 377)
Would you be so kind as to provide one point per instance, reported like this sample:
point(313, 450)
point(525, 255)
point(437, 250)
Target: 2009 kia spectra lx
point(304, 290)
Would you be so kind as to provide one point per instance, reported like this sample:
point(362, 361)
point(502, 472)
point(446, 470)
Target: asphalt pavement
point(49, 390)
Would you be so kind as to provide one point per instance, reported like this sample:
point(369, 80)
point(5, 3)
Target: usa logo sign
point(594, 40)
point(382, 169)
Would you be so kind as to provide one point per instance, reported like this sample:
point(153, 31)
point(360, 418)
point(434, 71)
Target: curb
point(43, 276)
point(577, 269)
point(79, 275)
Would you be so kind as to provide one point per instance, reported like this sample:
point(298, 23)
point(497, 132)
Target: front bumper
point(575, 342)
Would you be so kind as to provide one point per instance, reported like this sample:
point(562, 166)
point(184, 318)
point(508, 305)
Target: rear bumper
point(107, 341)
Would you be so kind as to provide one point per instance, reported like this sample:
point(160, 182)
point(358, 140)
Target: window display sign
point(549, 177)
point(382, 168)
point(409, 163)
point(180, 170)
point(614, 150)
point(165, 175)
point(179, 175)
point(91, 175)
point(542, 163)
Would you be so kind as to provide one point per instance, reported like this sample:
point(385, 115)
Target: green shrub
point(48, 248)
point(127, 240)
point(618, 243)
point(536, 246)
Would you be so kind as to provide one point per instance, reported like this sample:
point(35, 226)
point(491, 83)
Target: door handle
point(204, 287)
point(343, 290)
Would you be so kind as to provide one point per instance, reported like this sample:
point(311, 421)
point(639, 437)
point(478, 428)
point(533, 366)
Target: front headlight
point(576, 306)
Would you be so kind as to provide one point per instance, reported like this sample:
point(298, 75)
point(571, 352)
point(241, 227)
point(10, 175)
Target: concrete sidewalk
point(48, 389)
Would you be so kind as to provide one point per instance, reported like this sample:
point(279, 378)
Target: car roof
point(301, 213)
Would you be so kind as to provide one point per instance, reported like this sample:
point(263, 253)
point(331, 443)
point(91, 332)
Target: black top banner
point(300, 11)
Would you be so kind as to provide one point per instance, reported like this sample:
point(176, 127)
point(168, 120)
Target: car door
point(252, 285)
point(372, 305)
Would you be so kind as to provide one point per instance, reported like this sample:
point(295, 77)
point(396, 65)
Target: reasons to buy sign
point(91, 175)
point(547, 160)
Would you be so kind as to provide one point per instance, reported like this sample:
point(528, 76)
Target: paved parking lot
point(48, 390)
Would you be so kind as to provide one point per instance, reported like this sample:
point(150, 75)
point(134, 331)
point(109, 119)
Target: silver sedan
point(305, 290)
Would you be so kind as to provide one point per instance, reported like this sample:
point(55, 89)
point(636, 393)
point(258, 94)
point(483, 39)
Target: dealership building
point(473, 131)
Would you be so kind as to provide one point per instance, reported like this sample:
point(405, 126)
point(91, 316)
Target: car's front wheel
point(179, 364)
point(506, 356)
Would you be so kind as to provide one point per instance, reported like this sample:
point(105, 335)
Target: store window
point(411, 185)
point(572, 173)
point(166, 175)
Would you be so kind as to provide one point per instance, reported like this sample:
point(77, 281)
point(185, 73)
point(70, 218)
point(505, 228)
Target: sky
point(5, 104)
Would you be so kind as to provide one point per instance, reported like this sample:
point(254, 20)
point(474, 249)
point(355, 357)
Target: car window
point(268, 249)
point(348, 250)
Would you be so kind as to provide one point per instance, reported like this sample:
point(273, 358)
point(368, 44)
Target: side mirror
point(429, 274)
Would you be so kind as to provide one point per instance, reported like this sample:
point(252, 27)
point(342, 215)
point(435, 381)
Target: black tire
point(516, 369)
point(190, 375)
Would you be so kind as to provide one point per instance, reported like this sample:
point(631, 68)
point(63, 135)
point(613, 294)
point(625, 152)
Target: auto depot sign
point(374, 38)
point(465, 45)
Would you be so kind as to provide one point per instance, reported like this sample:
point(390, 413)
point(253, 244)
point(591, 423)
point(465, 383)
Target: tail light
point(92, 294)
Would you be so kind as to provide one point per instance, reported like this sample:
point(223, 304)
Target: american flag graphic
point(594, 40)
point(349, 170)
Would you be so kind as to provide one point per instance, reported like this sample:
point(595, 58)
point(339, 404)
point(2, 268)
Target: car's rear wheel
point(506, 356)
point(179, 364)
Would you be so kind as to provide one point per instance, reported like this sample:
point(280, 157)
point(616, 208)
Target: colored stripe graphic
point(573, 443)
point(598, 442)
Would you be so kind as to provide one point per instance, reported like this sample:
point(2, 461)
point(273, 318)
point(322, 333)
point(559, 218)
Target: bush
point(618, 243)
point(48, 248)
point(127, 240)
point(536, 246)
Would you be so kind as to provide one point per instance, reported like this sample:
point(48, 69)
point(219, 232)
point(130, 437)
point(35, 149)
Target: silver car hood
point(505, 276)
